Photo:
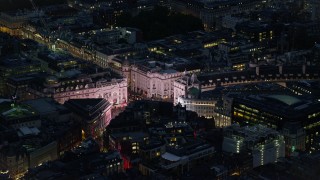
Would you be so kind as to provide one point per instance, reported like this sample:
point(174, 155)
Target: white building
point(202, 107)
point(186, 87)
point(187, 91)
point(83, 87)
point(102, 59)
point(266, 145)
point(153, 82)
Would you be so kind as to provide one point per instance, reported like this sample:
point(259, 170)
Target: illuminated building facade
point(308, 88)
point(153, 82)
point(276, 110)
point(16, 164)
point(98, 85)
point(127, 143)
point(256, 32)
point(187, 92)
point(18, 157)
point(265, 144)
point(12, 22)
point(223, 107)
point(202, 107)
point(257, 74)
point(186, 86)
point(222, 115)
point(76, 49)
point(94, 114)
point(102, 45)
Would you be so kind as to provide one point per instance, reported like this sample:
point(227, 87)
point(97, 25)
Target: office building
point(274, 110)
point(265, 145)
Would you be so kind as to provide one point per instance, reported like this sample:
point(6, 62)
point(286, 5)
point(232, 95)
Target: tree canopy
point(160, 22)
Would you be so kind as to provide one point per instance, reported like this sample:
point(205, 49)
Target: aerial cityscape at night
point(159, 89)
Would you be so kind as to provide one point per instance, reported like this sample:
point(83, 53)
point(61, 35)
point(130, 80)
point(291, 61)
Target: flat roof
point(288, 100)
point(23, 131)
point(282, 105)
point(170, 157)
point(134, 135)
point(45, 105)
point(169, 71)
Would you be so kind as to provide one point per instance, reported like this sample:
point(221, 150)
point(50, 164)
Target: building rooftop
point(301, 167)
point(132, 135)
point(282, 105)
point(286, 99)
point(254, 134)
point(265, 72)
point(25, 131)
point(89, 108)
point(171, 157)
point(151, 144)
point(169, 71)
point(86, 104)
point(18, 61)
point(78, 167)
point(45, 105)
point(190, 147)
point(16, 111)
